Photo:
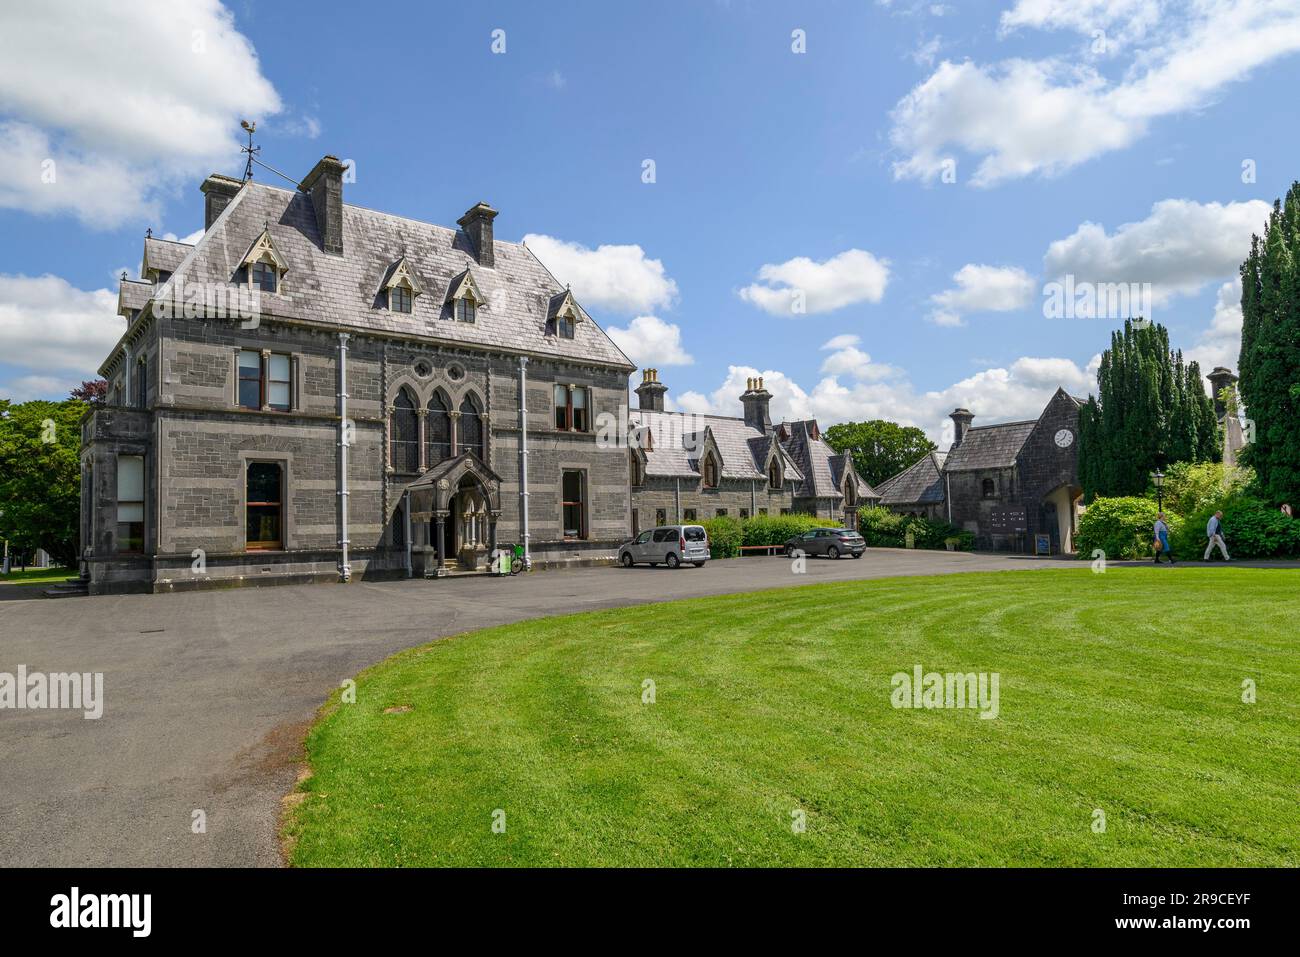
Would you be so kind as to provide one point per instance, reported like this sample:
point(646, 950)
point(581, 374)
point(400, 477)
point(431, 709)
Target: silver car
point(669, 545)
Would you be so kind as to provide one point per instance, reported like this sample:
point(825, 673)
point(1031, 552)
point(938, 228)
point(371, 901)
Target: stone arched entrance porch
point(454, 511)
point(1062, 503)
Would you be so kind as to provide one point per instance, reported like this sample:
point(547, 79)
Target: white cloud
point(650, 342)
point(982, 289)
point(1122, 21)
point(995, 395)
point(618, 278)
point(57, 333)
point(842, 342)
point(1180, 248)
point(1022, 117)
point(785, 288)
point(1220, 344)
point(128, 99)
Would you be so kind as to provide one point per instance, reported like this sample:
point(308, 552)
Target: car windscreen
point(693, 533)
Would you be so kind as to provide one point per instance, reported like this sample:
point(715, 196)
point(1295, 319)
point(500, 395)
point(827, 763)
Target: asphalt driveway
point(208, 694)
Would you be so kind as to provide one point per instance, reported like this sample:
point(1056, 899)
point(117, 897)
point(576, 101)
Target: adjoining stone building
point(1015, 485)
point(687, 467)
point(316, 391)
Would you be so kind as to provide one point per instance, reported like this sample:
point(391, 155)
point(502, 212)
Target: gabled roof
point(735, 442)
point(463, 286)
point(132, 295)
point(339, 290)
point(841, 463)
point(400, 272)
point(813, 456)
point(264, 246)
point(921, 483)
point(990, 446)
point(563, 303)
point(165, 255)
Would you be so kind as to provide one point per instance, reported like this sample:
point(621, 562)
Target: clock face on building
point(1065, 438)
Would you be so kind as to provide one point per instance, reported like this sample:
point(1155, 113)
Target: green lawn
point(37, 576)
point(1120, 692)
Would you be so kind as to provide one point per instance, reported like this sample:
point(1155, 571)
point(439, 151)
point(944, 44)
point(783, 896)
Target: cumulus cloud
point(1220, 344)
point(982, 289)
point(621, 279)
point(1122, 21)
point(1180, 248)
point(649, 341)
point(57, 334)
point(800, 285)
point(104, 114)
point(1022, 117)
point(1018, 391)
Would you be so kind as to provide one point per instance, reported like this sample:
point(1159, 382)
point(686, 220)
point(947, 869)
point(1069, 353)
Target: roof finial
point(148, 233)
point(123, 275)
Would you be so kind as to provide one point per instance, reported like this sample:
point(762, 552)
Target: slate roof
point(921, 483)
point(838, 464)
point(990, 446)
point(164, 254)
point(744, 450)
point(132, 295)
point(342, 290)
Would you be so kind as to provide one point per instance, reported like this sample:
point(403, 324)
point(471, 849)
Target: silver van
point(669, 545)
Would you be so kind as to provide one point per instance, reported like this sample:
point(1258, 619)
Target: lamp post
point(1158, 477)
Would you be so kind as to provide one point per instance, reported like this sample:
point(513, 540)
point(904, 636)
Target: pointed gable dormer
point(463, 296)
point(563, 315)
point(264, 268)
point(401, 286)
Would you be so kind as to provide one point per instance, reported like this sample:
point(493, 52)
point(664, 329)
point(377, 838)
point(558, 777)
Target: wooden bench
point(763, 549)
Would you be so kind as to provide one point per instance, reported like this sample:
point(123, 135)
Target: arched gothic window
point(437, 431)
point(471, 428)
point(405, 434)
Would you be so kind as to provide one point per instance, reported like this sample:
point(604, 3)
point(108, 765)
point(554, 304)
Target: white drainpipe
point(345, 569)
point(523, 460)
point(406, 508)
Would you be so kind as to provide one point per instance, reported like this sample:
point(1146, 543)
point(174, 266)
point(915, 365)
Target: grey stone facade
point(175, 402)
point(1008, 484)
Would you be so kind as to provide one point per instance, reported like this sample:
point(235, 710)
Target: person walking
point(1162, 539)
point(1214, 532)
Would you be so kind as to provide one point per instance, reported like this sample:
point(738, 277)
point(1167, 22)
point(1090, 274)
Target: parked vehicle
point(668, 545)
point(831, 542)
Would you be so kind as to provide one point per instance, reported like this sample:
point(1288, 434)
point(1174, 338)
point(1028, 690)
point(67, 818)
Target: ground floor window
point(661, 517)
point(636, 523)
point(573, 491)
point(688, 514)
point(785, 511)
point(130, 503)
point(762, 511)
point(722, 513)
point(744, 514)
point(264, 511)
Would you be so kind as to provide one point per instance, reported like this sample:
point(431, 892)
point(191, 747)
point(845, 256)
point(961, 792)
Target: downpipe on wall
point(523, 460)
point(345, 568)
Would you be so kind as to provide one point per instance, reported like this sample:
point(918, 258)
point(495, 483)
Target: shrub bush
point(778, 529)
point(1192, 486)
point(725, 536)
point(1122, 528)
point(1252, 528)
point(885, 529)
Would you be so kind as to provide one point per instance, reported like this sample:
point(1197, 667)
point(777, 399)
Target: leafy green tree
point(1192, 486)
point(1151, 409)
point(40, 476)
point(880, 448)
point(1270, 350)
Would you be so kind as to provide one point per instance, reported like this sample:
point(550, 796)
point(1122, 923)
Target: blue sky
point(823, 171)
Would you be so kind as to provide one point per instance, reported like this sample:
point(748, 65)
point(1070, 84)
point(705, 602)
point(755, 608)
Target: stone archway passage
point(1064, 500)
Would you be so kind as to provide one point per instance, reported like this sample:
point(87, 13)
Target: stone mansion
point(316, 391)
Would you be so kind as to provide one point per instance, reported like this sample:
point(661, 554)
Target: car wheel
point(627, 560)
point(789, 551)
point(857, 554)
point(832, 552)
point(672, 560)
point(698, 564)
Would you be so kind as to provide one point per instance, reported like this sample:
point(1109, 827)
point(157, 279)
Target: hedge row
point(885, 529)
point(1122, 528)
point(727, 534)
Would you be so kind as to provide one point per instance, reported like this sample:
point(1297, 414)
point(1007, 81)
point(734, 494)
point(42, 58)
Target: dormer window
point(774, 474)
point(263, 266)
point(564, 315)
point(402, 287)
point(399, 299)
point(709, 471)
point(464, 297)
point(466, 309)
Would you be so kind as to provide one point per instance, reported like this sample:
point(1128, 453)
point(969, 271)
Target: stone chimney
point(324, 184)
point(218, 191)
point(755, 399)
point(650, 393)
point(1221, 379)
point(477, 224)
point(961, 420)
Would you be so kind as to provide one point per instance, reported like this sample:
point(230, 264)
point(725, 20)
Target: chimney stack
point(1221, 379)
point(477, 223)
point(961, 420)
point(650, 393)
point(755, 399)
point(324, 184)
point(217, 191)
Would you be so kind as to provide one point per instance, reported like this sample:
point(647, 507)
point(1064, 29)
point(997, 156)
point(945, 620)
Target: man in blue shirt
point(1162, 539)
point(1214, 532)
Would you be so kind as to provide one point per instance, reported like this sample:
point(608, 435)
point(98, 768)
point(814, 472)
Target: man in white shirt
point(1214, 532)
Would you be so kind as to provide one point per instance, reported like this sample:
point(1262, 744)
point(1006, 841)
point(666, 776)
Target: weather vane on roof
point(250, 149)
